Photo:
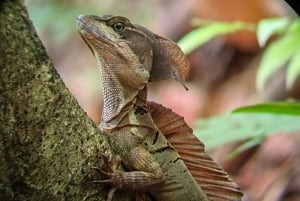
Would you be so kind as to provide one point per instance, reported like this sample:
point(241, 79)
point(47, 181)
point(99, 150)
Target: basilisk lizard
point(153, 143)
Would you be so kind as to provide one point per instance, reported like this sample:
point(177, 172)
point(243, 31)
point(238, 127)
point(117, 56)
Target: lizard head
point(134, 53)
point(121, 53)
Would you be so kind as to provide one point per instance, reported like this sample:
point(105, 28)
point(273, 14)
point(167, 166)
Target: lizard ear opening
point(169, 62)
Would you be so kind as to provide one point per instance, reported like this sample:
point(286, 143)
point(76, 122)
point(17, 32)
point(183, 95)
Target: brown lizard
point(153, 143)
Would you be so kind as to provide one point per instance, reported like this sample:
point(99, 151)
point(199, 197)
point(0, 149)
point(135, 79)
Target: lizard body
point(154, 144)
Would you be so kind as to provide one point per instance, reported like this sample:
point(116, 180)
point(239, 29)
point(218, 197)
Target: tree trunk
point(47, 142)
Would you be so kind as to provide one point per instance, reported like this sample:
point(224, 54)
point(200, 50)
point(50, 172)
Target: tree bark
point(47, 142)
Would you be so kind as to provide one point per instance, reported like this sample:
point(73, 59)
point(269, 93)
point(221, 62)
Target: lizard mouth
point(90, 29)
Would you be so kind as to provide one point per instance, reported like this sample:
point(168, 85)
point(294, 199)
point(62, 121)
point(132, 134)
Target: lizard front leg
point(144, 171)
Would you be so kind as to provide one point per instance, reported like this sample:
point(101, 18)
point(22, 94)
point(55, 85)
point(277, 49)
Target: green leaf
point(294, 28)
point(284, 108)
point(226, 128)
point(293, 70)
point(275, 56)
point(201, 35)
point(268, 27)
point(248, 144)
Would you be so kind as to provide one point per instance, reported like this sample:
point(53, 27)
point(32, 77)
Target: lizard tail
point(211, 177)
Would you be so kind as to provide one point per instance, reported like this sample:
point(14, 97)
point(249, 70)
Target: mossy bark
point(47, 143)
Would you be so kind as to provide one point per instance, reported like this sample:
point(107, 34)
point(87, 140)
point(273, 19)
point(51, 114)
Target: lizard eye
point(118, 26)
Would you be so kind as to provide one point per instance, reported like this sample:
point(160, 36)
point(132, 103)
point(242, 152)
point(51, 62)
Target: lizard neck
point(119, 100)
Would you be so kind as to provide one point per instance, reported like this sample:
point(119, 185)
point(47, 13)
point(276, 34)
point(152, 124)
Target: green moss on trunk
point(47, 143)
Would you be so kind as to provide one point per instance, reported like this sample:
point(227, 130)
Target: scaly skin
point(129, 57)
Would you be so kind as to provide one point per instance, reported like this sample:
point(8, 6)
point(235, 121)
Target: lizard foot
point(109, 165)
point(106, 172)
point(110, 176)
point(108, 169)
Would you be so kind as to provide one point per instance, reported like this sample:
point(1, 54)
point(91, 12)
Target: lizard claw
point(108, 168)
point(109, 165)
point(106, 171)
point(102, 172)
point(106, 163)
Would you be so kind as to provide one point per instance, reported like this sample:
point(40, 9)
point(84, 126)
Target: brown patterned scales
point(162, 155)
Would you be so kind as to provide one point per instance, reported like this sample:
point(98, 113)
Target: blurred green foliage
point(258, 121)
point(253, 128)
point(268, 27)
point(284, 50)
point(201, 35)
point(284, 108)
point(58, 18)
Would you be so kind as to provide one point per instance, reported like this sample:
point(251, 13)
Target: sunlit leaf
point(275, 56)
point(284, 108)
point(268, 27)
point(227, 128)
point(248, 144)
point(293, 70)
point(294, 28)
point(201, 35)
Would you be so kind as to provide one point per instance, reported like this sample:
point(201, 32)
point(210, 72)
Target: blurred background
point(221, 77)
